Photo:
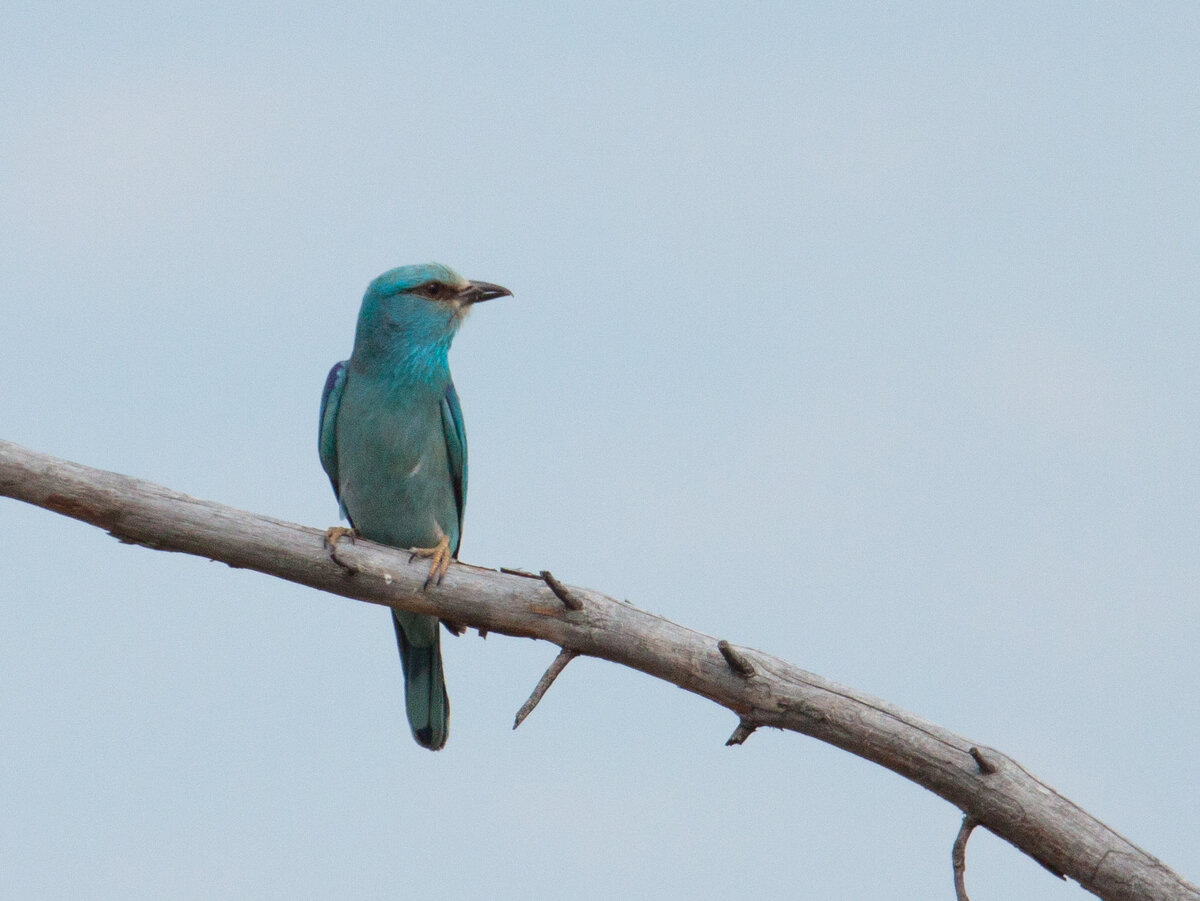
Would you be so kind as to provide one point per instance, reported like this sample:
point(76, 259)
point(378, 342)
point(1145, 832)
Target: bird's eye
point(434, 289)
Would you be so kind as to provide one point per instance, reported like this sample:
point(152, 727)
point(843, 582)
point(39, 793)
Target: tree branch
point(958, 858)
point(565, 656)
point(761, 690)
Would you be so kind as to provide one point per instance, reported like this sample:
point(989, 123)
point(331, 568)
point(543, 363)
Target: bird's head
point(415, 307)
point(432, 289)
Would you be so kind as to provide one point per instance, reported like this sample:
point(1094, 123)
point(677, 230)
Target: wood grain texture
point(763, 690)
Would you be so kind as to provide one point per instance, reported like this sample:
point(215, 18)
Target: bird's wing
point(331, 397)
point(456, 450)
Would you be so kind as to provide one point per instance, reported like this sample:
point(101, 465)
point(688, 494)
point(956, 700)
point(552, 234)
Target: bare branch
point(1009, 801)
point(736, 659)
point(958, 857)
point(743, 731)
point(565, 656)
point(519, 572)
point(985, 766)
point(560, 591)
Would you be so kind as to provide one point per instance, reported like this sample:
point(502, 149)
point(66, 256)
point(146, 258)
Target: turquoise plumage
point(394, 447)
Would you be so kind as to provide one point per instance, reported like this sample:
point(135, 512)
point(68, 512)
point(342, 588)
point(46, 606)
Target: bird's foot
point(441, 560)
point(333, 535)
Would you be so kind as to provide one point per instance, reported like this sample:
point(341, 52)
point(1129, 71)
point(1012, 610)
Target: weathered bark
point(762, 690)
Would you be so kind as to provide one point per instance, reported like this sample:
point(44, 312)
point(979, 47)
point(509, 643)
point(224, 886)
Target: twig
point(560, 590)
point(736, 660)
point(743, 731)
point(985, 766)
point(513, 571)
point(958, 856)
point(565, 656)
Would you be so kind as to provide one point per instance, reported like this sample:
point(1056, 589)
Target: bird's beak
point(476, 292)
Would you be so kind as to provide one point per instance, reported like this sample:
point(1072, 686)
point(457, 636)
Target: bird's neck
point(402, 358)
point(404, 340)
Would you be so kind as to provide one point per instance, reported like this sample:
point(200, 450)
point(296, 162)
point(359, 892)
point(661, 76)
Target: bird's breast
point(393, 467)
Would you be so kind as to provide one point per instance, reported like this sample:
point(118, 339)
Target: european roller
point(393, 445)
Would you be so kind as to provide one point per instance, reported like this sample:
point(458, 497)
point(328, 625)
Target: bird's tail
point(424, 685)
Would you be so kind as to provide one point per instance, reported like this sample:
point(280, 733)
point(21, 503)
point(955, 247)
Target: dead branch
point(565, 656)
point(958, 858)
point(988, 786)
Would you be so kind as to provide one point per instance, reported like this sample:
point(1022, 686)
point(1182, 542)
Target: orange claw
point(441, 560)
point(334, 534)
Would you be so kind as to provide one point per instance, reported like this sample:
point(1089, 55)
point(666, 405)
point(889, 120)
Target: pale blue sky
point(862, 334)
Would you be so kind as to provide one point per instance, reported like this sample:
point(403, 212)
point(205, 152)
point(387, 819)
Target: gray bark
point(762, 690)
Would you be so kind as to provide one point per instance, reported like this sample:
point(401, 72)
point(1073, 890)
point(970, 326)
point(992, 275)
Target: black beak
point(475, 292)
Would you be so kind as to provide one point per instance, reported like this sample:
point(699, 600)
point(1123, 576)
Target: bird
point(393, 444)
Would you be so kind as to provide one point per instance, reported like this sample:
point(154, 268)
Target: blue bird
point(393, 445)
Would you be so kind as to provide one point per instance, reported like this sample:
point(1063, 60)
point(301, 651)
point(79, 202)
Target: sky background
point(865, 335)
